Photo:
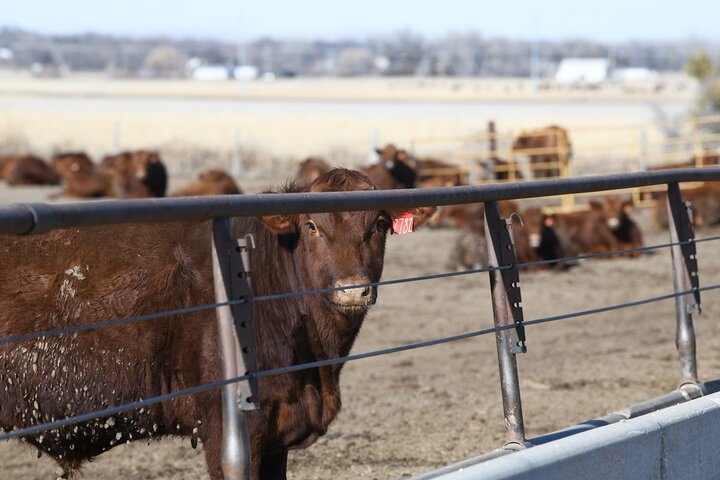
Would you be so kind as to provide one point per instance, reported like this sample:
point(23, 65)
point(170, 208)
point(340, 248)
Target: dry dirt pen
point(416, 410)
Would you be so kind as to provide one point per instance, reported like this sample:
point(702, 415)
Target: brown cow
point(429, 172)
point(391, 172)
point(310, 169)
point(27, 170)
point(470, 248)
point(616, 214)
point(82, 179)
point(136, 174)
point(209, 182)
point(705, 202)
point(555, 236)
point(553, 139)
point(90, 275)
point(707, 159)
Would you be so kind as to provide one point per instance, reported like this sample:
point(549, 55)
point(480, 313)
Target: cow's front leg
point(274, 466)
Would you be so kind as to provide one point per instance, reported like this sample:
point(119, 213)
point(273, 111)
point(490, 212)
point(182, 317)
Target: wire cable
point(331, 361)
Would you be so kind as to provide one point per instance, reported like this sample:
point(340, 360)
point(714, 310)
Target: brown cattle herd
point(49, 280)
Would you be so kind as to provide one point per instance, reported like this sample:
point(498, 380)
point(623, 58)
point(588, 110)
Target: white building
point(585, 71)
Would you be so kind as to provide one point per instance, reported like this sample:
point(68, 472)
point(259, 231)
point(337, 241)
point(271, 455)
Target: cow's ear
point(280, 223)
point(595, 205)
point(379, 151)
point(420, 215)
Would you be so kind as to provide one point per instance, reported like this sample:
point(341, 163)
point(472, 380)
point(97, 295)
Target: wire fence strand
point(332, 361)
point(181, 311)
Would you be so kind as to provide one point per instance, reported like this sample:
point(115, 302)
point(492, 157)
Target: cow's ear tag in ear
point(403, 224)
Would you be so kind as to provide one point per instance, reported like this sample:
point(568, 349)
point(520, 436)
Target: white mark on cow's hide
point(75, 272)
point(66, 290)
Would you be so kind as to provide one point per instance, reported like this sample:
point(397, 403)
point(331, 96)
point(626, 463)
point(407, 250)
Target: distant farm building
point(585, 71)
point(212, 73)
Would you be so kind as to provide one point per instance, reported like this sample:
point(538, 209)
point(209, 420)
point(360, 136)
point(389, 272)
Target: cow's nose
point(354, 295)
point(613, 223)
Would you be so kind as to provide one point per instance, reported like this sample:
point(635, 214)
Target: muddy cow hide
point(27, 170)
point(95, 274)
point(210, 182)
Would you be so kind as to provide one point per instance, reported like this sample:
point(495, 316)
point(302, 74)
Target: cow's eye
point(382, 224)
point(311, 226)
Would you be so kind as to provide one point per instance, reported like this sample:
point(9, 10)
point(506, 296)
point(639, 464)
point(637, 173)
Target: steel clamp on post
point(685, 279)
point(507, 310)
point(236, 341)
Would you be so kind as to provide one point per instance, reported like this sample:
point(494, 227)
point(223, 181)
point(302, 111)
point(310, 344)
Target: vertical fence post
point(685, 279)
point(507, 310)
point(236, 342)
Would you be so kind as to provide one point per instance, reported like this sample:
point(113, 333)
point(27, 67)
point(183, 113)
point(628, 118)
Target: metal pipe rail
point(27, 218)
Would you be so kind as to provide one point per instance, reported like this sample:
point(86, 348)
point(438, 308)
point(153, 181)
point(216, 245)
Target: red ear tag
point(403, 224)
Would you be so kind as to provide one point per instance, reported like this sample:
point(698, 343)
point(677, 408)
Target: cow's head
point(535, 223)
point(335, 250)
point(71, 164)
point(612, 209)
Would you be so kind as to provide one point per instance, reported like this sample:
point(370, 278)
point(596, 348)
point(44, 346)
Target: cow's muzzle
point(613, 223)
point(353, 299)
point(535, 240)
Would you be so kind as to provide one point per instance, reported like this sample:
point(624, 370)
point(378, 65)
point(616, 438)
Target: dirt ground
point(410, 412)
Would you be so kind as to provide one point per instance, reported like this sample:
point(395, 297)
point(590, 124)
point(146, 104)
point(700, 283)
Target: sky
point(604, 20)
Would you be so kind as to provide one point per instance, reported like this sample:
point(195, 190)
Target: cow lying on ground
point(705, 202)
point(209, 182)
point(27, 170)
point(616, 214)
point(82, 179)
point(310, 169)
point(90, 275)
point(553, 139)
point(135, 174)
point(427, 172)
point(567, 234)
point(470, 248)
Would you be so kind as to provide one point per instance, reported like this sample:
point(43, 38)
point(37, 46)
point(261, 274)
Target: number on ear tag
point(403, 224)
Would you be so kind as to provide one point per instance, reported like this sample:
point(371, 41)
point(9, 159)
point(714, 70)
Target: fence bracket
point(685, 279)
point(507, 310)
point(236, 342)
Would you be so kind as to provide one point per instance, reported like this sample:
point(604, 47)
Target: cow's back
point(96, 274)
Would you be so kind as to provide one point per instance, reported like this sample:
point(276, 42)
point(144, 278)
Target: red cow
point(27, 170)
point(616, 214)
point(90, 275)
point(210, 182)
point(311, 168)
point(545, 146)
point(555, 236)
point(136, 174)
point(82, 179)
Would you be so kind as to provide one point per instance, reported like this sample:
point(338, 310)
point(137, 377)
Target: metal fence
point(230, 259)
